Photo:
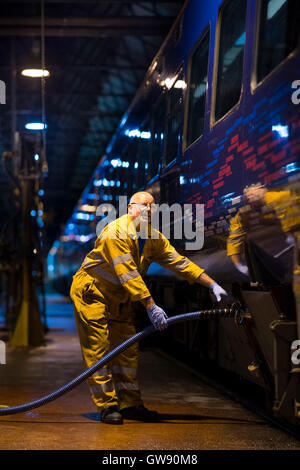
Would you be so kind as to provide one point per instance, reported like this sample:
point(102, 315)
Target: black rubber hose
point(233, 311)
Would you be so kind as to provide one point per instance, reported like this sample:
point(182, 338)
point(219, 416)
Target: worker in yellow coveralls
point(262, 204)
point(108, 281)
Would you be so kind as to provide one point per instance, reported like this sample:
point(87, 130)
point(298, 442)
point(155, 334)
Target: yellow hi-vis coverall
point(109, 278)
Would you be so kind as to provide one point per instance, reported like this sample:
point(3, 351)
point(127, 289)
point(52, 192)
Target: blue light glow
point(291, 167)
point(33, 213)
point(145, 135)
point(132, 133)
point(93, 196)
point(116, 162)
point(107, 197)
point(228, 198)
point(123, 121)
point(40, 222)
point(241, 40)
point(137, 133)
point(283, 131)
point(35, 126)
point(83, 216)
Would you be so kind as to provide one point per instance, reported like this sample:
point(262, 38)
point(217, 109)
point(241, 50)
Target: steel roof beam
point(117, 22)
point(82, 32)
point(83, 67)
point(79, 93)
point(88, 27)
point(101, 2)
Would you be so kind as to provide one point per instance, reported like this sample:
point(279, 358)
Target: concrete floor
point(194, 416)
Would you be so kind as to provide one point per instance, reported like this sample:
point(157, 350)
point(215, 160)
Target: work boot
point(111, 415)
point(140, 413)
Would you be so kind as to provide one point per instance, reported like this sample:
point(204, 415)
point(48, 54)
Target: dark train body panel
point(255, 140)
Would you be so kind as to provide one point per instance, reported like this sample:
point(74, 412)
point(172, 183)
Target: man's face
point(140, 207)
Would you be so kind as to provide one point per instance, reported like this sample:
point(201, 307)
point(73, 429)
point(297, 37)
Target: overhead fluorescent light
point(35, 126)
point(35, 73)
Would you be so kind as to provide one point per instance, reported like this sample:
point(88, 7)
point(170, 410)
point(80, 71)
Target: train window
point(197, 91)
point(231, 54)
point(278, 33)
point(174, 113)
point(157, 136)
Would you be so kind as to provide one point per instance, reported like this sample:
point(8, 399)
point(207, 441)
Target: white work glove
point(158, 317)
point(218, 291)
point(290, 240)
point(242, 268)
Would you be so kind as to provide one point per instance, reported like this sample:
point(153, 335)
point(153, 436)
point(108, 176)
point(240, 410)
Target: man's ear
point(129, 208)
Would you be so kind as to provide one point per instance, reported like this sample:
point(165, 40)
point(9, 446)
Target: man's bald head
point(142, 197)
point(255, 196)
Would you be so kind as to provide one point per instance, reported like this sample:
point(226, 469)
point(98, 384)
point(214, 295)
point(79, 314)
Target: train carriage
point(216, 119)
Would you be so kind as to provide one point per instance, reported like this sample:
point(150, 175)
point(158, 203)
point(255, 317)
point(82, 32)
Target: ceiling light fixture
point(35, 73)
point(35, 126)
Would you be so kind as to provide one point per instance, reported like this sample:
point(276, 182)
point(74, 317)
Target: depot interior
point(101, 99)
